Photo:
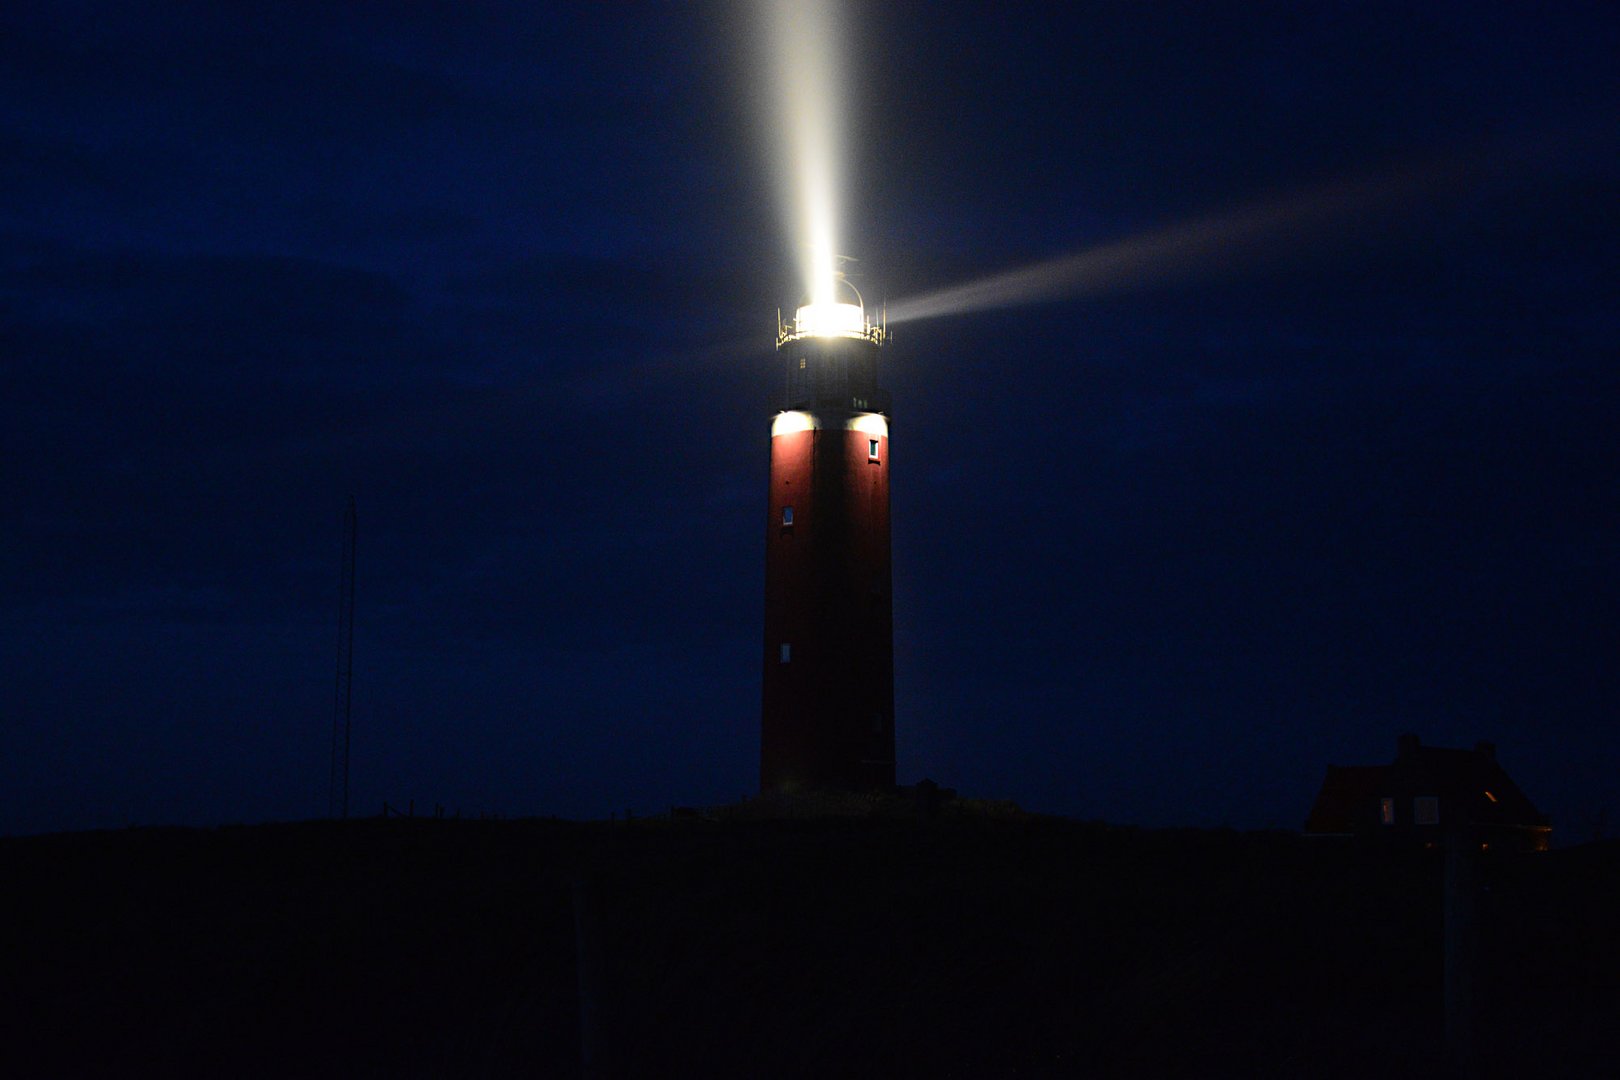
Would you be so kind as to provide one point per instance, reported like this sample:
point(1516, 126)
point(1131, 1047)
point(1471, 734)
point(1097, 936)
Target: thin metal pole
point(343, 713)
point(1461, 907)
point(352, 524)
point(332, 768)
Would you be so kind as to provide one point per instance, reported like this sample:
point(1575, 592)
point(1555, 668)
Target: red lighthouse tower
point(828, 715)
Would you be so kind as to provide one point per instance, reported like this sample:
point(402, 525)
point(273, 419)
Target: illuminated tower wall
point(828, 714)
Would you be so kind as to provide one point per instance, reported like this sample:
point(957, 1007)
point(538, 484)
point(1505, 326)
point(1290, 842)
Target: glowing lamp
point(830, 320)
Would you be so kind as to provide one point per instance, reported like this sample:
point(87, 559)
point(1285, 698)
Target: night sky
point(509, 276)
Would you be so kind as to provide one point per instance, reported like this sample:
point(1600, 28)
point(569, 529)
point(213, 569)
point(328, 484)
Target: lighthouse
point(827, 721)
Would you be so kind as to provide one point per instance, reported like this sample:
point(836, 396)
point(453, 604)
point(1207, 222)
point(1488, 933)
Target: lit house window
point(787, 515)
point(787, 652)
point(1426, 810)
point(801, 363)
point(871, 449)
point(1489, 796)
point(1386, 811)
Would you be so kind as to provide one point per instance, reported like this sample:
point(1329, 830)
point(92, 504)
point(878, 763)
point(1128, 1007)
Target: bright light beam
point(804, 53)
point(1215, 243)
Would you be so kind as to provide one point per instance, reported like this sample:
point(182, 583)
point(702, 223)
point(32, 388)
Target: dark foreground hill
point(975, 945)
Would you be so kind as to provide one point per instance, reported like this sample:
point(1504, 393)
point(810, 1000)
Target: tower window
point(1426, 810)
point(787, 515)
point(1386, 811)
point(871, 449)
point(787, 653)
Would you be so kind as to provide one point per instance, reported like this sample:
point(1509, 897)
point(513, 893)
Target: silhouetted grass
point(983, 942)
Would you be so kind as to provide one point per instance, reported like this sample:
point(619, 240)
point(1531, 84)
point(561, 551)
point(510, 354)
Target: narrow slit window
point(871, 449)
point(787, 515)
point(1386, 811)
point(787, 653)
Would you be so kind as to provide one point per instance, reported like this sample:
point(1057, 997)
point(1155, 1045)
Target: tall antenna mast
point(342, 713)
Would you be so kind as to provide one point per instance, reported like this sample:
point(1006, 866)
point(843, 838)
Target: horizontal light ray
point(1209, 244)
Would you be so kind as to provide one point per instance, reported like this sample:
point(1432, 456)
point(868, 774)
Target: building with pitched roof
point(1427, 796)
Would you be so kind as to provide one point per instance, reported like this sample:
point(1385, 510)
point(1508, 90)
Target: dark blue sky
point(509, 275)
